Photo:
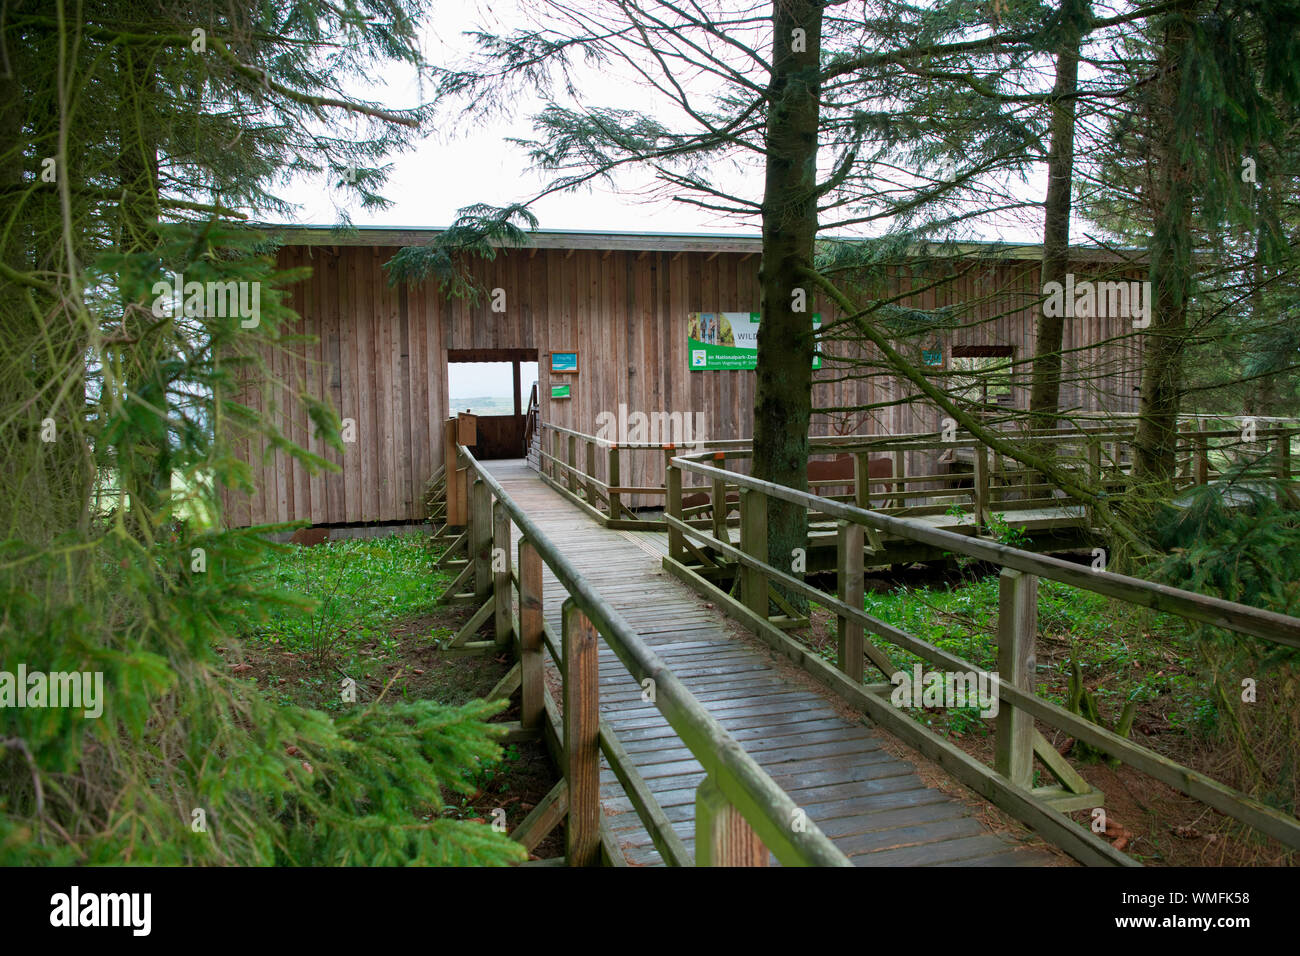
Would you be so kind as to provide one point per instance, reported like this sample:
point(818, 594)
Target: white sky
point(447, 171)
point(489, 379)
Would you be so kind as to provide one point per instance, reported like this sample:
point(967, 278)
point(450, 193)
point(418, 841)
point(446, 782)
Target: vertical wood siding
point(380, 357)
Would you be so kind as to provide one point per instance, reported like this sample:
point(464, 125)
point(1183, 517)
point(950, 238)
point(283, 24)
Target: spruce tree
point(138, 138)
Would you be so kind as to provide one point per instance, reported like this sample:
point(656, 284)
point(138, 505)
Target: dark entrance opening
point(493, 384)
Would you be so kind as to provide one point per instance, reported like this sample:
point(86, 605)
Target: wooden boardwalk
point(872, 804)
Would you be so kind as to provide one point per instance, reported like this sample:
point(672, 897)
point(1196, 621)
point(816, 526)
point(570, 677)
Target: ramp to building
point(872, 804)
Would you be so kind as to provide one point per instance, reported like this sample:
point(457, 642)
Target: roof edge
point(579, 239)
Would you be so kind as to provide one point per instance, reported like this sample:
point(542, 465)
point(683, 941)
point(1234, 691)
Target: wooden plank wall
point(380, 358)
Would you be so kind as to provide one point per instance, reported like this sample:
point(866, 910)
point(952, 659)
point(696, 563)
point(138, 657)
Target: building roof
point(296, 235)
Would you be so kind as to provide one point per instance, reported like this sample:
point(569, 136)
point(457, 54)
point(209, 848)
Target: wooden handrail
point(748, 788)
point(1101, 450)
point(1100, 455)
point(1160, 597)
point(1021, 570)
point(1104, 432)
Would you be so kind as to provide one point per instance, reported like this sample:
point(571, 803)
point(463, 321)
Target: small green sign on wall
point(560, 391)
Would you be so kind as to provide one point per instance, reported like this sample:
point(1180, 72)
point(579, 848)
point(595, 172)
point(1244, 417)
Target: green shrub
point(1241, 541)
point(186, 763)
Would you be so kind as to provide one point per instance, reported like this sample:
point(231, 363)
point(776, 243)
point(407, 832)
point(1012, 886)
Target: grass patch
point(1122, 651)
point(361, 588)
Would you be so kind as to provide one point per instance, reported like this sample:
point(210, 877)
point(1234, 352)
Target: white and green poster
point(728, 341)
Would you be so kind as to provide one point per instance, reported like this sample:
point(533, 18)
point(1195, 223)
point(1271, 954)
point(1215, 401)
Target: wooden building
point(623, 303)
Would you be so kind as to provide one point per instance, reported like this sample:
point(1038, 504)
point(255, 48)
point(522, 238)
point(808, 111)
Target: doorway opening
point(493, 384)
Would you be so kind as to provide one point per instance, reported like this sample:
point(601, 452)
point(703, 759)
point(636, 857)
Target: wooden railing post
point(900, 469)
point(753, 541)
point(556, 456)
point(673, 506)
point(569, 480)
point(719, 499)
point(454, 476)
point(593, 499)
point(1094, 479)
point(581, 737)
point(501, 588)
point(531, 704)
point(480, 538)
point(462, 492)
point(615, 479)
point(1283, 454)
point(981, 481)
point(722, 836)
point(862, 480)
point(849, 573)
point(1017, 632)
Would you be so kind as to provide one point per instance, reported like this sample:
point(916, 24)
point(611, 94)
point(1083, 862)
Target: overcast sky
point(449, 169)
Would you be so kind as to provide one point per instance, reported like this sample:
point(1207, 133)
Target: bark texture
point(783, 394)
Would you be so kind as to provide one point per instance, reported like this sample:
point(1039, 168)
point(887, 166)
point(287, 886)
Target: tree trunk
point(1164, 342)
point(1045, 394)
point(783, 396)
point(146, 464)
point(1265, 395)
point(46, 476)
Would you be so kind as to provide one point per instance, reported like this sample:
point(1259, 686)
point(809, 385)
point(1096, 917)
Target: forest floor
point(376, 622)
point(1122, 654)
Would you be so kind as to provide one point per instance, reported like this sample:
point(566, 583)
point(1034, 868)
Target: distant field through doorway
point(493, 384)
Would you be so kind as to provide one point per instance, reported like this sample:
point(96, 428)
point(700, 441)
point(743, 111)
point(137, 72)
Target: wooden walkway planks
point(872, 804)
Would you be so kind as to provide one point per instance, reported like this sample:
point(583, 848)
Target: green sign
point(560, 391)
point(728, 341)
